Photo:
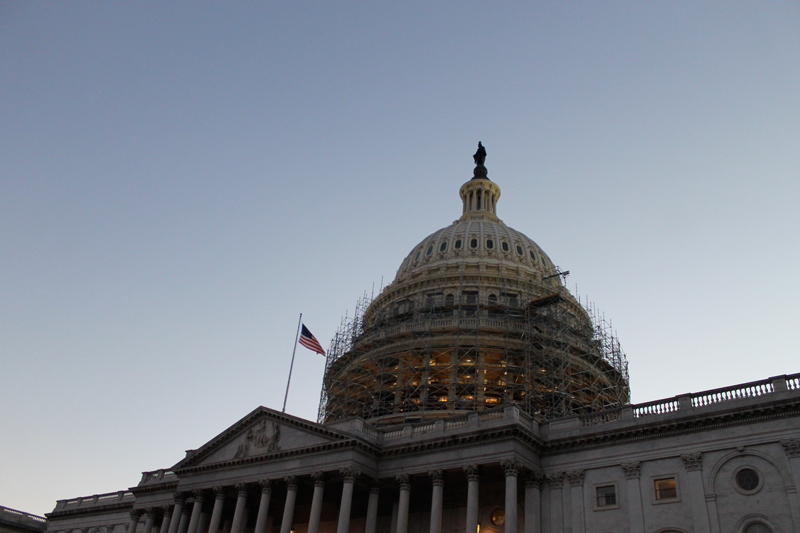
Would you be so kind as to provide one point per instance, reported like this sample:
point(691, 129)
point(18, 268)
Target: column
point(372, 507)
point(316, 502)
point(166, 513)
point(216, 514)
point(197, 506)
point(135, 514)
point(238, 513)
point(177, 512)
point(393, 523)
point(349, 474)
point(693, 462)
point(288, 508)
point(533, 485)
point(792, 449)
point(202, 524)
point(635, 513)
point(554, 482)
point(183, 525)
point(263, 507)
point(402, 508)
point(576, 490)
point(437, 478)
point(511, 469)
point(149, 519)
point(472, 497)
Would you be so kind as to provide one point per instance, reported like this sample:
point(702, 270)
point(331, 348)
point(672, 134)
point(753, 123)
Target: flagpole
point(297, 336)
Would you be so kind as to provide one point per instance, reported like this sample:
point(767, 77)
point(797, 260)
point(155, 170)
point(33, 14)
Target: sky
point(179, 181)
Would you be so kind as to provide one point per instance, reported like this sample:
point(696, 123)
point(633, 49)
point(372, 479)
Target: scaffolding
point(471, 340)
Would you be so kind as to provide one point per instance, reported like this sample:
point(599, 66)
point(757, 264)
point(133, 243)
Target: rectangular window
point(606, 496)
point(471, 297)
point(665, 489)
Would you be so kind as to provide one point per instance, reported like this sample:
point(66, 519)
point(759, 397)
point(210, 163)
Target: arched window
point(430, 250)
point(450, 299)
point(443, 246)
point(473, 243)
point(489, 244)
point(505, 246)
point(458, 244)
point(758, 527)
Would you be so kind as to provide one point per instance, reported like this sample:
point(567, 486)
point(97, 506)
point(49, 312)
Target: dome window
point(505, 246)
point(430, 250)
point(489, 244)
point(519, 250)
point(473, 243)
point(417, 256)
point(533, 256)
point(443, 246)
point(458, 244)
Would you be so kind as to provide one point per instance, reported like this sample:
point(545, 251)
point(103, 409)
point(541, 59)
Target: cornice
point(156, 487)
point(327, 447)
point(504, 433)
point(675, 426)
point(98, 509)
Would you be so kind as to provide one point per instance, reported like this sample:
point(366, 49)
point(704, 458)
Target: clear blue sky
point(178, 181)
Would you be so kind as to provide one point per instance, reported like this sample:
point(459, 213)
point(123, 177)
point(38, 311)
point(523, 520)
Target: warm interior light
point(479, 528)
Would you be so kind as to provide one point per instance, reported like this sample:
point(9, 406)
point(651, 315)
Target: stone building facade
point(500, 410)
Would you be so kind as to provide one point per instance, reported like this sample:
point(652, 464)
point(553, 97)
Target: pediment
point(263, 432)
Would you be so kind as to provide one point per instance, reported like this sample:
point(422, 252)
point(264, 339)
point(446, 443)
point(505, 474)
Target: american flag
point(310, 341)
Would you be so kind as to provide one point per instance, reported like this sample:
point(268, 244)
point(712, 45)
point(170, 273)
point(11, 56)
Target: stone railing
point(411, 430)
point(158, 476)
point(737, 392)
point(504, 414)
point(96, 500)
point(31, 521)
point(658, 407)
point(754, 389)
point(602, 417)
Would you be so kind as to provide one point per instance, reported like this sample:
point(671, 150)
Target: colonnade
point(188, 516)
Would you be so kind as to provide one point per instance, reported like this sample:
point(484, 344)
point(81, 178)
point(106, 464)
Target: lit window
point(443, 246)
point(665, 489)
point(489, 244)
point(505, 246)
point(606, 496)
point(498, 517)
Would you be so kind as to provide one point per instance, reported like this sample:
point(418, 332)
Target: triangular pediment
point(261, 433)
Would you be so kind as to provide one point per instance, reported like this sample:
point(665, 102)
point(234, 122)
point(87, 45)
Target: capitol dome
point(476, 318)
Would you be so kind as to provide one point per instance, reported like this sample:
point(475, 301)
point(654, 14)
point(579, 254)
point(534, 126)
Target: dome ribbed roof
point(493, 240)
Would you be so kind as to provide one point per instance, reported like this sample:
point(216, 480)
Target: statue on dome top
point(480, 155)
